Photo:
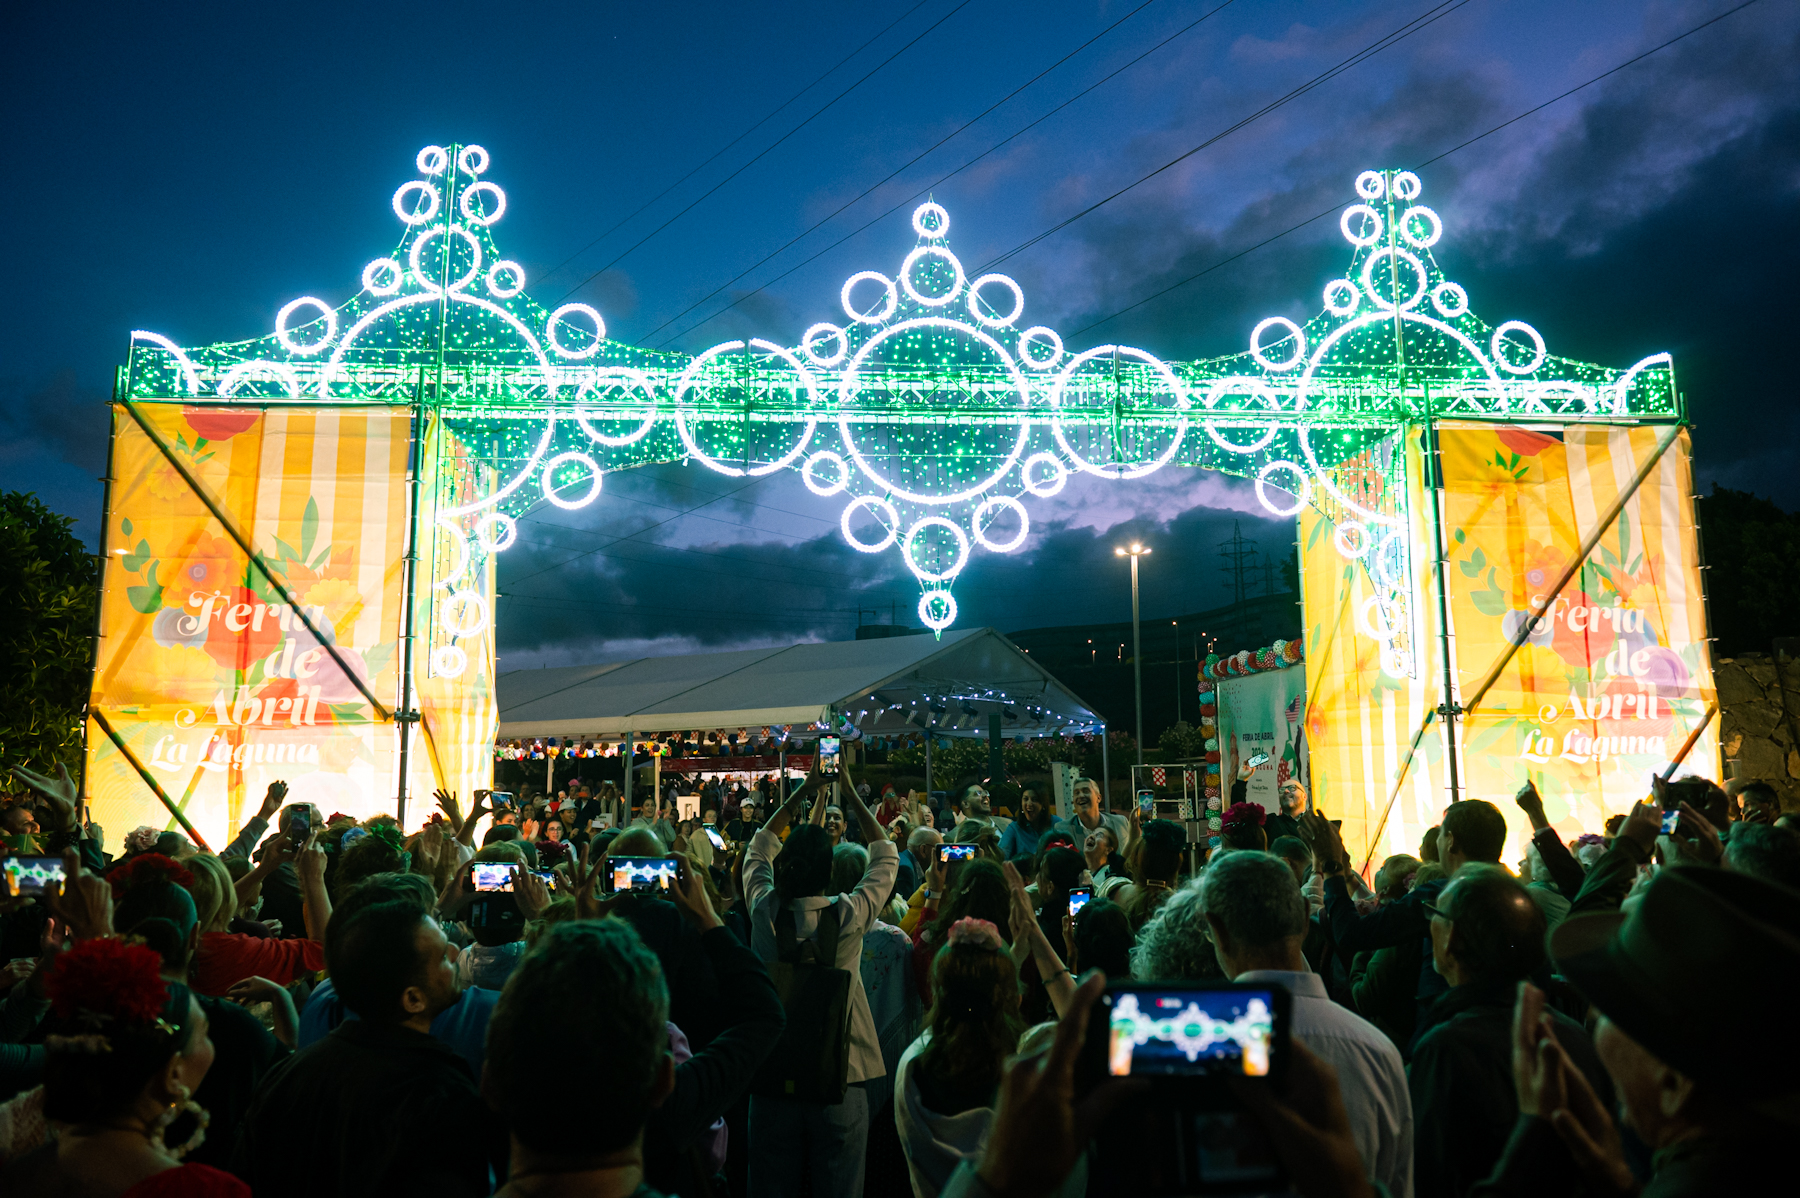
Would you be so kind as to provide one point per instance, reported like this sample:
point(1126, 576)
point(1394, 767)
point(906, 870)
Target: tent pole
point(928, 739)
point(627, 753)
point(1105, 770)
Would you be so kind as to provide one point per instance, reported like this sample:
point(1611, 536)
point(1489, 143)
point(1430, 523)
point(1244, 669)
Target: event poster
point(1260, 713)
point(206, 671)
point(1607, 688)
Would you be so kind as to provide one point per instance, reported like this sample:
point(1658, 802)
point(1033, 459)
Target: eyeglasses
point(1436, 911)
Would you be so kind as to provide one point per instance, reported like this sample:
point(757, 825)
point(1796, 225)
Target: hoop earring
point(202, 1118)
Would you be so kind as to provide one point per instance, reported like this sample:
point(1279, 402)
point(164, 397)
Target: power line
point(875, 220)
point(767, 150)
point(829, 217)
point(1429, 17)
point(1294, 228)
point(734, 141)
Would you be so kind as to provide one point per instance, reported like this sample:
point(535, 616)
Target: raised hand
point(529, 889)
point(1532, 804)
point(272, 801)
point(58, 792)
point(446, 801)
point(690, 896)
point(1310, 1131)
point(83, 902)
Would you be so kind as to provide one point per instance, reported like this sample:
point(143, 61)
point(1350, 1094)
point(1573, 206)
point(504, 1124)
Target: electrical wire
point(908, 164)
point(1421, 166)
point(622, 221)
point(767, 150)
point(875, 220)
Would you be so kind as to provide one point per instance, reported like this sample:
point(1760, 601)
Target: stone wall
point(1759, 702)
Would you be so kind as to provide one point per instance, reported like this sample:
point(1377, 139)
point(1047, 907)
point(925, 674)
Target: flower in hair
point(1588, 838)
point(149, 867)
point(389, 835)
point(1244, 815)
point(351, 836)
point(108, 979)
point(978, 933)
point(141, 840)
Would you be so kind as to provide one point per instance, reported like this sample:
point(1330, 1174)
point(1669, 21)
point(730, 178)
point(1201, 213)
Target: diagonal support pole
point(231, 530)
point(1530, 626)
point(1399, 781)
point(149, 779)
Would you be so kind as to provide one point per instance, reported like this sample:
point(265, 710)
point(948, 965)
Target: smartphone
point(1079, 897)
point(641, 873)
point(491, 877)
point(503, 800)
point(830, 753)
point(297, 831)
point(548, 878)
point(951, 854)
point(1172, 1030)
point(1258, 759)
point(32, 875)
point(712, 834)
point(1671, 820)
point(1147, 803)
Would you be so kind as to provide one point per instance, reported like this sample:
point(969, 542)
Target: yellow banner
point(1609, 686)
point(206, 671)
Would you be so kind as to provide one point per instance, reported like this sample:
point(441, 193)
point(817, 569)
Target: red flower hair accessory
point(1243, 815)
point(976, 932)
point(149, 867)
point(108, 979)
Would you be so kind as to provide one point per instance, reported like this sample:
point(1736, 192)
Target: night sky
point(188, 169)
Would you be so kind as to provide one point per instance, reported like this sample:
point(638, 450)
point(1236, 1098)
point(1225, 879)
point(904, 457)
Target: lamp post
point(1137, 649)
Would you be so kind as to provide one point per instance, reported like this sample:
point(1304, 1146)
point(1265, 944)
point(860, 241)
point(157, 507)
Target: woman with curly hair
point(125, 1051)
point(947, 1084)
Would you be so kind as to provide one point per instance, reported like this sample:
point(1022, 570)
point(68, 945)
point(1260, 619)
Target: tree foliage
point(1753, 574)
point(49, 589)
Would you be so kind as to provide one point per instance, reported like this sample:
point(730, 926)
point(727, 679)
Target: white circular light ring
point(466, 202)
point(1406, 227)
point(847, 389)
point(472, 609)
point(1295, 333)
point(962, 549)
point(192, 376)
point(472, 160)
point(1048, 336)
point(1621, 390)
point(448, 661)
point(505, 291)
point(1342, 297)
point(416, 218)
point(309, 348)
point(1240, 384)
point(932, 212)
point(551, 489)
point(809, 476)
point(518, 326)
point(861, 276)
point(1406, 186)
point(930, 616)
point(1497, 343)
point(496, 531)
point(1364, 541)
point(1324, 347)
point(1391, 253)
point(1300, 496)
point(424, 239)
point(684, 408)
point(1048, 487)
point(938, 251)
point(563, 351)
point(1449, 299)
point(456, 540)
point(996, 322)
point(871, 502)
point(1367, 625)
point(980, 530)
point(432, 160)
point(228, 382)
point(396, 275)
point(1367, 213)
point(809, 343)
point(626, 376)
point(1061, 383)
point(1370, 185)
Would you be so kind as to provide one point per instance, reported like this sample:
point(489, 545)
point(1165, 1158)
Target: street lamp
point(1137, 649)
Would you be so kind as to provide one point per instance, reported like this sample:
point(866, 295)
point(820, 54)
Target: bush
point(49, 593)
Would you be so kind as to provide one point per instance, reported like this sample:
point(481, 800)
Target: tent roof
point(886, 686)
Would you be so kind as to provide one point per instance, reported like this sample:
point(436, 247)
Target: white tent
point(892, 686)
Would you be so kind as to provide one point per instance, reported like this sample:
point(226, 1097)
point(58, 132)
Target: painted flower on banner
point(172, 628)
point(212, 563)
point(220, 424)
point(242, 631)
point(1524, 442)
point(1580, 635)
point(338, 596)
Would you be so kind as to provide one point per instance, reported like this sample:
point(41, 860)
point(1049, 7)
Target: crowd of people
point(811, 995)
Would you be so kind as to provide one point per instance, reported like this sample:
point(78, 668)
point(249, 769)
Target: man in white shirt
point(1258, 919)
point(791, 1139)
point(1087, 816)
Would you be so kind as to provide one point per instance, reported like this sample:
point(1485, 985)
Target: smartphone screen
point(491, 877)
point(830, 752)
point(1079, 897)
point(1193, 1031)
point(1259, 759)
point(32, 875)
point(712, 834)
point(1147, 802)
point(503, 800)
point(1670, 821)
point(950, 854)
point(640, 873)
